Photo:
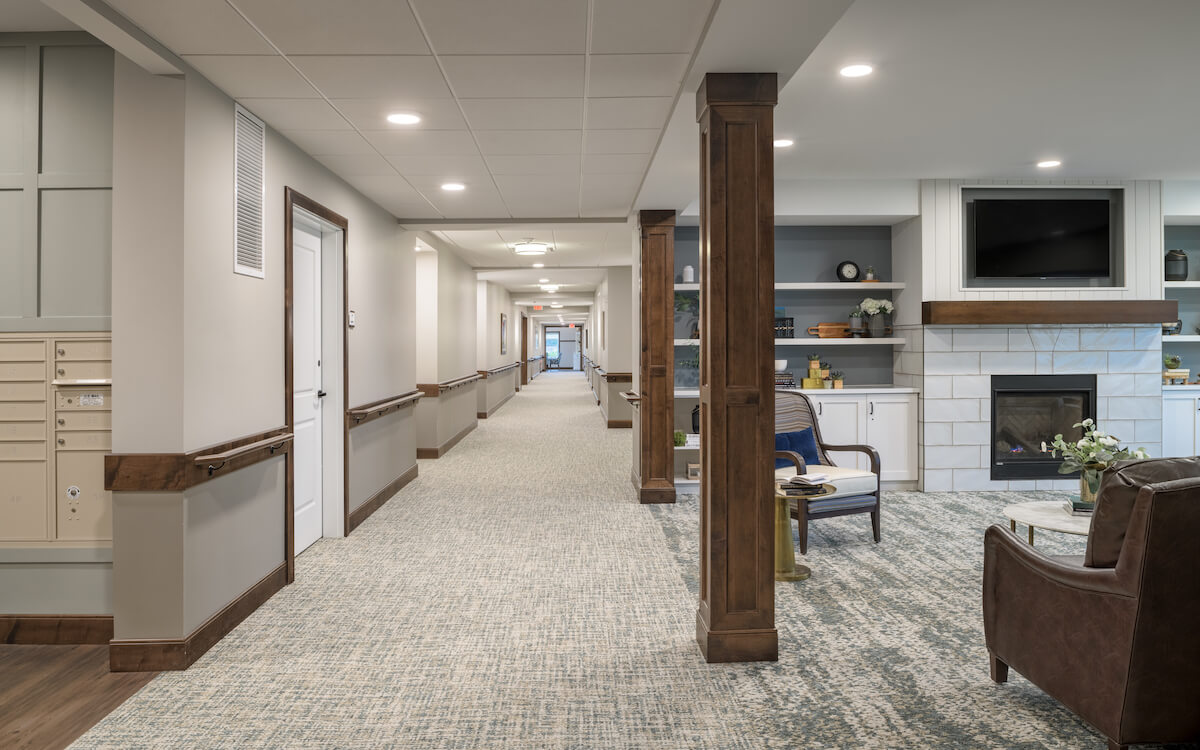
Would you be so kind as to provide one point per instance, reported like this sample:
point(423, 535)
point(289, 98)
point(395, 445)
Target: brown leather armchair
point(1112, 637)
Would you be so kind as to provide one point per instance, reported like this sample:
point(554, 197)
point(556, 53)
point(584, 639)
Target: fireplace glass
point(1028, 410)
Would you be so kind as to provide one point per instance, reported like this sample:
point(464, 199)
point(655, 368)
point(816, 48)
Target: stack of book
point(1076, 507)
point(804, 485)
point(785, 380)
point(785, 328)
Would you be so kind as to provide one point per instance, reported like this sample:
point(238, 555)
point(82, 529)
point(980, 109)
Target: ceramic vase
point(1089, 485)
point(877, 326)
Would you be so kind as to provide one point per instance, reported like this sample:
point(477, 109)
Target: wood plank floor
point(50, 695)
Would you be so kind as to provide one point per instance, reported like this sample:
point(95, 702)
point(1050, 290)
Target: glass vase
point(1089, 485)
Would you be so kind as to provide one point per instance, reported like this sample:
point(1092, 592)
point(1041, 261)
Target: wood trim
point(445, 447)
point(360, 415)
point(618, 377)
point(631, 397)
point(619, 423)
point(1036, 312)
point(656, 495)
point(498, 370)
point(293, 199)
point(429, 390)
point(433, 390)
point(176, 654)
point(524, 349)
point(494, 409)
point(176, 472)
point(56, 630)
point(654, 462)
point(376, 501)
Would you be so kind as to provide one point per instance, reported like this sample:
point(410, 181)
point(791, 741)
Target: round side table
point(786, 568)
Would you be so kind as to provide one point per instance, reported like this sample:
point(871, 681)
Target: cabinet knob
point(62, 441)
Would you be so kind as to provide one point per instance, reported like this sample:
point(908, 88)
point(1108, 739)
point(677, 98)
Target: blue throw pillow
point(802, 442)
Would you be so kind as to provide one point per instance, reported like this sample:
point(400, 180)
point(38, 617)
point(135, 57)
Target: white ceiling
point(577, 287)
point(575, 245)
point(542, 108)
point(31, 16)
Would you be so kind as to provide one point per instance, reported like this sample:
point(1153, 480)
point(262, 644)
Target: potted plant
point(838, 379)
point(825, 367)
point(687, 311)
point(878, 312)
point(856, 322)
point(680, 438)
point(869, 274)
point(827, 382)
point(1090, 456)
point(814, 362)
point(1172, 361)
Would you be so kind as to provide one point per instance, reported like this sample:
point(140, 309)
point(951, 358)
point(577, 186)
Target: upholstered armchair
point(1112, 636)
point(857, 489)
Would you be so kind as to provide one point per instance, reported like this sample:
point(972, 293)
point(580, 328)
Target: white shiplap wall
point(941, 213)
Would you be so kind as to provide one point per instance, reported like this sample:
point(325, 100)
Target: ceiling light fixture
point(783, 142)
point(403, 118)
point(556, 305)
point(453, 187)
point(543, 281)
point(529, 247)
point(857, 70)
point(539, 265)
point(1048, 163)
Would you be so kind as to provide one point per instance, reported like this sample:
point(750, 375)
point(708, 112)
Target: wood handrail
point(369, 412)
point(433, 390)
point(632, 397)
point(272, 444)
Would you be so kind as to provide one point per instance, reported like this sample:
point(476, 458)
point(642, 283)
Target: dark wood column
point(736, 617)
point(654, 457)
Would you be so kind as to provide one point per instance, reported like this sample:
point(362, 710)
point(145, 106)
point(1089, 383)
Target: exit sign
point(537, 307)
point(571, 326)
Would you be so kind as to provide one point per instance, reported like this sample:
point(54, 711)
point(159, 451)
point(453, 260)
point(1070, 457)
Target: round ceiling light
point(1049, 163)
point(556, 305)
point(403, 118)
point(783, 142)
point(529, 247)
point(539, 265)
point(543, 281)
point(453, 187)
point(857, 70)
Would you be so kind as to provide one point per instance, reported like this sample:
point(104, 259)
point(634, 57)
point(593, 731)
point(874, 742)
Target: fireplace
point(1028, 410)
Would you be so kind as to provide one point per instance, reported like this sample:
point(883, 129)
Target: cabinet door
point(843, 422)
point(1179, 425)
point(892, 430)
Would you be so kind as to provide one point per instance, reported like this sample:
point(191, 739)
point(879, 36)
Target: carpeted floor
point(516, 596)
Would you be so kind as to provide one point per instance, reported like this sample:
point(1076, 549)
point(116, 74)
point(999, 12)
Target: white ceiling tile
point(253, 76)
point(517, 142)
point(411, 211)
point(519, 114)
point(608, 194)
point(371, 114)
point(329, 141)
point(615, 164)
point(198, 27)
point(556, 164)
point(296, 114)
point(625, 113)
point(387, 189)
point(355, 27)
point(537, 207)
point(508, 76)
point(540, 196)
point(621, 141)
point(538, 184)
point(638, 26)
point(515, 234)
point(431, 185)
point(479, 240)
point(508, 27)
point(374, 76)
point(422, 142)
point(636, 75)
point(474, 204)
point(449, 168)
point(357, 165)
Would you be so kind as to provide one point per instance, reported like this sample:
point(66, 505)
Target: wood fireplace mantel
point(1031, 312)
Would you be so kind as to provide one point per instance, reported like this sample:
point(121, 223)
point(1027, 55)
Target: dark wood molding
point(433, 390)
point(497, 370)
point(56, 630)
point(175, 654)
point(293, 199)
point(735, 620)
point(376, 501)
point(176, 472)
point(493, 410)
point(620, 423)
point(654, 462)
point(618, 377)
point(360, 415)
point(657, 495)
point(524, 349)
point(445, 447)
point(1037, 312)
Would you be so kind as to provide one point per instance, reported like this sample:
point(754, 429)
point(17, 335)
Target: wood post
point(736, 617)
point(654, 454)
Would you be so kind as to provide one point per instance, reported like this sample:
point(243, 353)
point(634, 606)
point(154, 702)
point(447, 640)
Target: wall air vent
point(249, 136)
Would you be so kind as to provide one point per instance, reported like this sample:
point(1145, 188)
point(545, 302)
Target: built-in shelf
point(1181, 284)
point(687, 287)
point(838, 342)
point(687, 342)
point(1181, 339)
point(824, 286)
point(687, 393)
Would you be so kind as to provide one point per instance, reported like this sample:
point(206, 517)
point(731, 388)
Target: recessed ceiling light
point(857, 70)
point(543, 281)
point(556, 305)
point(403, 118)
point(539, 265)
point(783, 142)
point(1048, 163)
point(453, 187)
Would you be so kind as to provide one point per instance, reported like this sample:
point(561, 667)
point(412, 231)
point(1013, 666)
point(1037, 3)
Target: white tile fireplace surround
point(953, 365)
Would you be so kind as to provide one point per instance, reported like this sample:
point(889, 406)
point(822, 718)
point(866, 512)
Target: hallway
point(514, 595)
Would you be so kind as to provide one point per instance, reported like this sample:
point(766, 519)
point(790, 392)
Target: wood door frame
point(293, 199)
point(524, 349)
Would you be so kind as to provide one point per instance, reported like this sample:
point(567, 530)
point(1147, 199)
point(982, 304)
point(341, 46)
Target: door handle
point(871, 404)
point(820, 408)
point(321, 394)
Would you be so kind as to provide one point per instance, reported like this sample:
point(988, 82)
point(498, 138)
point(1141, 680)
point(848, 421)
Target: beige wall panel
point(84, 508)
point(234, 536)
point(77, 110)
point(22, 500)
point(456, 318)
point(11, 296)
point(380, 451)
point(12, 109)
point(49, 587)
point(148, 564)
point(76, 258)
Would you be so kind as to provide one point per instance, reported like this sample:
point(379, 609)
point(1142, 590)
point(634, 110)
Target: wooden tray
point(830, 330)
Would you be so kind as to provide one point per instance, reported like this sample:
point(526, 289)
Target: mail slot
point(31, 451)
point(67, 349)
point(83, 399)
point(22, 431)
point(82, 370)
point(22, 500)
point(22, 371)
point(18, 412)
point(23, 391)
point(83, 441)
point(84, 508)
point(83, 420)
point(22, 351)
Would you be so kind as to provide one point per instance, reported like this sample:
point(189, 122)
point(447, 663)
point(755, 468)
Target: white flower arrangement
point(871, 306)
point(1095, 451)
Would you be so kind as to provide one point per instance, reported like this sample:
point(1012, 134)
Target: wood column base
point(725, 646)
point(653, 493)
point(620, 424)
point(170, 654)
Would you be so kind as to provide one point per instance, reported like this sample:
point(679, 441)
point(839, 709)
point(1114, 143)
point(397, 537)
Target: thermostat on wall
point(350, 322)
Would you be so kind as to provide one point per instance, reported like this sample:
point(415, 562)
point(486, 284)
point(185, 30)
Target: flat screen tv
point(1041, 238)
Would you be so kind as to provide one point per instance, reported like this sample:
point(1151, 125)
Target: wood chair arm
point(795, 458)
point(871, 452)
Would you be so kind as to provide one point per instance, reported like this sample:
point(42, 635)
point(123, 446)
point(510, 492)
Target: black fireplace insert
point(1029, 410)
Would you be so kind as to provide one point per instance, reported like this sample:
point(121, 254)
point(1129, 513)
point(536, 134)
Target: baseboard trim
point(494, 409)
point(376, 501)
point(174, 655)
point(620, 423)
point(56, 630)
point(656, 495)
point(724, 647)
point(445, 447)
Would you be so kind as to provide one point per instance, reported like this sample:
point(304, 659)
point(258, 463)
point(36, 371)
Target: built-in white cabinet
point(885, 421)
point(1180, 422)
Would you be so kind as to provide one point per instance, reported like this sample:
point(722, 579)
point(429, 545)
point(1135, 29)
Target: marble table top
point(1049, 515)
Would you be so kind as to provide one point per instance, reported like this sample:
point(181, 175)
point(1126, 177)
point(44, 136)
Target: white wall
point(426, 297)
point(457, 319)
point(493, 300)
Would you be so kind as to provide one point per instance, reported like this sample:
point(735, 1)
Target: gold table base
point(786, 568)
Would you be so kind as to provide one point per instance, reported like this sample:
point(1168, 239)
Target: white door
point(892, 430)
point(1179, 426)
point(306, 383)
point(843, 422)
